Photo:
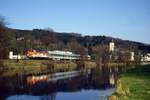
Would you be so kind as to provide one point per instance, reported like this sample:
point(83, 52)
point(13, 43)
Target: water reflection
point(95, 84)
point(80, 95)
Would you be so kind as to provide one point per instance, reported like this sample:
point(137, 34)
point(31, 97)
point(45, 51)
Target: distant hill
point(85, 41)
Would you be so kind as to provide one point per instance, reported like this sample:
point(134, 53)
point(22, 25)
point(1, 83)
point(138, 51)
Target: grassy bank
point(35, 66)
point(133, 85)
point(13, 67)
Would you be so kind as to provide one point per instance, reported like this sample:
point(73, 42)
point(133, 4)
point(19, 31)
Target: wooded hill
point(62, 41)
point(19, 41)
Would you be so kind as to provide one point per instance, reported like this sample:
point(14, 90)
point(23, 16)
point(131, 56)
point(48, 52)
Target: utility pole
point(18, 39)
point(17, 48)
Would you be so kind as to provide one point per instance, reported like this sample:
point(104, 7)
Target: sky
point(125, 19)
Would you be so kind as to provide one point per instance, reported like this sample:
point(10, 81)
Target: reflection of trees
point(77, 83)
point(97, 79)
point(100, 77)
point(104, 77)
point(9, 86)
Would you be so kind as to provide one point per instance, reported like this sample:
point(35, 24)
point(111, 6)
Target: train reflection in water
point(48, 86)
point(31, 80)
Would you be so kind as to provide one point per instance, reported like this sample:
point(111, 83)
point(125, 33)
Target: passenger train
point(55, 55)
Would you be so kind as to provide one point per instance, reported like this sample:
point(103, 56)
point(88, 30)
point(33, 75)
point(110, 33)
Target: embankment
point(12, 67)
point(133, 84)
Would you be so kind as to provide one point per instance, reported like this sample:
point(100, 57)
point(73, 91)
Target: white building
point(132, 56)
point(11, 56)
point(111, 46)
point(146, 57)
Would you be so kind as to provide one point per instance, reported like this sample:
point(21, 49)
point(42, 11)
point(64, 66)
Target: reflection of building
point(111, 79)
point(111, 46)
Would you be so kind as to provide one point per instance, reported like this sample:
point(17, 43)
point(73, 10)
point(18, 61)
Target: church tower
point(111, 46)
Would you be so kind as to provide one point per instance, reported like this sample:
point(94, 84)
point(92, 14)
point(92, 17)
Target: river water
point(95, 84)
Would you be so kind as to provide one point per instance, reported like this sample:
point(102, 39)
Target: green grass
point(36, 66)
point(21, 63)
point(135, 84)
point(21, 67)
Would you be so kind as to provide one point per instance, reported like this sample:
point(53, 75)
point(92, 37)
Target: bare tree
point(49, 29)
point(75, 46)
point(101, 54)
point(4, 42)
point(49, 39)
point(4, 39)
point(3, 22)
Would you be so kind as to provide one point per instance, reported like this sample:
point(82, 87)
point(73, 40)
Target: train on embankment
point(54, 55)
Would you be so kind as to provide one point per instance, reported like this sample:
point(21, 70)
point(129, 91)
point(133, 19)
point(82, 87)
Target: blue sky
point(126, 19)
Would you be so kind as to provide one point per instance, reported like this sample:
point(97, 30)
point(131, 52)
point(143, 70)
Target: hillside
point(63, 39)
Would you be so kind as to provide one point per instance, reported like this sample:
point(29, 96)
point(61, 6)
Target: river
point(95, 84)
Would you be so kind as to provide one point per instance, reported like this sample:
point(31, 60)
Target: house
point(12, 56)
point(146, 57)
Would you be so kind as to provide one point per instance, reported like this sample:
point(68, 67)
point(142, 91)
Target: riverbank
point(133, 85)
point(12, 67)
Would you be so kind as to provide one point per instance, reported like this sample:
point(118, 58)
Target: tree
point(101, 54)
point(49, 39)
point(76, 47)
point(124, 56)
point(49, 29)
point(5, 39)
point(4, 42)
point(73, 45)
point(137, 57)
